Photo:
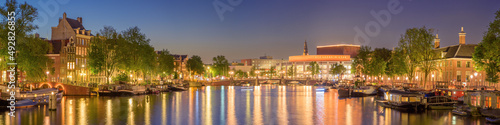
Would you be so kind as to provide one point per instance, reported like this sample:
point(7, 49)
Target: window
point(498, 101)
point(487, 102)
point(404, 99)
point(473, 100)
point(467, 65)
point(459, 76)
point(459, 64)
point(468, 75)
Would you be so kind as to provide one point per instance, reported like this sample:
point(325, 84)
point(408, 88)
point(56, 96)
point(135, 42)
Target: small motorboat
point(322, 89)
point(493, 120)
point(246, 87)
point(459, 112)
point(177, 88)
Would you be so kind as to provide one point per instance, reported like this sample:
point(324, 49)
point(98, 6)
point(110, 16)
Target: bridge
point(65, 88)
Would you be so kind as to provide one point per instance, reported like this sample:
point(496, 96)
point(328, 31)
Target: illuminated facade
point(456, 65)
point(331, 54)
point(72, 41)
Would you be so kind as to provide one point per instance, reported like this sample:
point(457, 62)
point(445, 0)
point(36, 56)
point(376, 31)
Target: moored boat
point(459, 112)
point(405, 100)
point(363, 91)
point(246, 87)
point(493, 120)
point(177, 88)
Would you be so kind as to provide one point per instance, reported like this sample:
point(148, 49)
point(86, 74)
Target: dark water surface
point(231, 105)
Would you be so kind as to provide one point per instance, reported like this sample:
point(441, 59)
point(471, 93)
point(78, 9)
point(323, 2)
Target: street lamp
point(257, 77)
point(432, 79)
point(47, 75)
point(231, 74)
point(475, 75)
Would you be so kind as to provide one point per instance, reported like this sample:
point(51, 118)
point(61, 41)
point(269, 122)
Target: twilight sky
point(274, 27)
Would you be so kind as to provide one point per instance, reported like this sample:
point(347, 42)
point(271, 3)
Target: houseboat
point(363, 91)
point(132, 90)
point(404, 100)
point(440, 102)
point(487, 101)
point(121, 90)
point(455, 94)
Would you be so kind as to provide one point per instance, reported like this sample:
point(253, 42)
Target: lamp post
point(47, 75)
point(231, 78)
point(432, 80)
point(257, 77)
point(475, 75)
point(472, 76)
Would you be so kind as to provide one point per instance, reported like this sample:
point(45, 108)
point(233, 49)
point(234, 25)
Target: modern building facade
point(326, 57)
point(339, 49)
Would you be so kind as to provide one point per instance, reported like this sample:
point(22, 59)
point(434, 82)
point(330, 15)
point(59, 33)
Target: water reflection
point(229, 105)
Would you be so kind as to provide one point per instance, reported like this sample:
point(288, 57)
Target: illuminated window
point(404, 99)
point(414, 99)
point(473, 100)
point(487, 102)
point(498, 102)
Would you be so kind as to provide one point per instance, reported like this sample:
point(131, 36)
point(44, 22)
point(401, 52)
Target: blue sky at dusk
point(274, 27)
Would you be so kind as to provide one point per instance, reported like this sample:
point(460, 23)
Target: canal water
point(302, 105)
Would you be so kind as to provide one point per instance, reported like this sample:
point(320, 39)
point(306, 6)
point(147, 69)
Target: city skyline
point(275, 28)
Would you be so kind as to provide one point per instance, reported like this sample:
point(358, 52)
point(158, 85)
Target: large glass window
point(459, 76)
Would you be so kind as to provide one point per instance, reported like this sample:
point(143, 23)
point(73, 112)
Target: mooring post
point(52, 102)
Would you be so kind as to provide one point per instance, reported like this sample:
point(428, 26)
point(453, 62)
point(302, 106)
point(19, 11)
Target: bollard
point(52, 102)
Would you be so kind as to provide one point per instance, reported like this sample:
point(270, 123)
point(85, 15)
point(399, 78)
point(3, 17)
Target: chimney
point(461, 35)
point(79, 19)
point(436, 41)
point(64, 15)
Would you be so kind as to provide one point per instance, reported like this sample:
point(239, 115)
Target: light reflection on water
point(229, 105)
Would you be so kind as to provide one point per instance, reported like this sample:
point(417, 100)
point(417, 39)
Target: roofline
point(336, 45)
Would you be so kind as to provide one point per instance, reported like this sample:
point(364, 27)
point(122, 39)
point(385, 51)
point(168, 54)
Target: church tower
point(436, 42)
point(461, 35)
point(305, 49)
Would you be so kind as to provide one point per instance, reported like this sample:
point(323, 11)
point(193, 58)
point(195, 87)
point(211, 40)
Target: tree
point(30, 51)
point(221, 65)
point(103, 55)
point(272, 71)
point(338, 69)
point(313, 68)
point(195, 65)
point(486, 55)
point(416, 46)
point(376, 67)
point(291, 71)
point(240, 74)
point(140, 56)
point(252, 71)
point(397, 65)
point(165, 64)
point(361, 61)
